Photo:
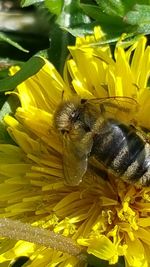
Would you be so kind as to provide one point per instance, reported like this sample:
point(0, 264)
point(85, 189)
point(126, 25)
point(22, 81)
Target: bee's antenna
point(62, 95)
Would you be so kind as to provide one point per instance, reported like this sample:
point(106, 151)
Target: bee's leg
point(141, 133)
point(97, 168)
point(102, 108)
point(144, 136)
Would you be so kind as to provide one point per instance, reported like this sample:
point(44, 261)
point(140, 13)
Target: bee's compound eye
point(83, 100)
point(63, 131)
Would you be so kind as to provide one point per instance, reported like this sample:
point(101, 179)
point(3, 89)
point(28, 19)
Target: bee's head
point(67, 115)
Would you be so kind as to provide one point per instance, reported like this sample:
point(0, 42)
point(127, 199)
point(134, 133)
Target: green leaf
point(112, 7)
point(4, 72)
point(119, 7)
point(112, 25)
point(25, 3)
point(121, 16)
point(96, 13)
point(9, 107)
point(115, 17)
point(140, 15)
point(58, 50)
point(80, 31)
point(72, 16)
point(143, 29)
point(4, 136)
point(54, 6)
point(31, 67)
point(5, 38)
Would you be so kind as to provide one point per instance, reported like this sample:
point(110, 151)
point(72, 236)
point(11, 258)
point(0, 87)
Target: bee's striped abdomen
point(122, 150)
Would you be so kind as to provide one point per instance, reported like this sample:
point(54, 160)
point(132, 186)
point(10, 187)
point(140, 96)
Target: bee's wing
point(75, 159)
point(120, 108)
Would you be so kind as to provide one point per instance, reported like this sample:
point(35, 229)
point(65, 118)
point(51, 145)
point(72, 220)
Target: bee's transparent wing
point(75, 159)
point(117, 107)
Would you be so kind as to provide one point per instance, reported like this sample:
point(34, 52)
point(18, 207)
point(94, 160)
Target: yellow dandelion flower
point(106, 218)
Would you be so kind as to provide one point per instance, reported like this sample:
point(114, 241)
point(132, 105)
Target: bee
point(100, 129)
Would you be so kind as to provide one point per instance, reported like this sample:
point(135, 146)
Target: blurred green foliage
point(29, 26)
